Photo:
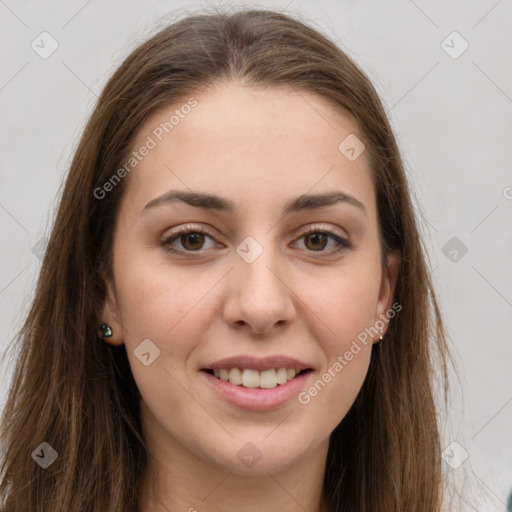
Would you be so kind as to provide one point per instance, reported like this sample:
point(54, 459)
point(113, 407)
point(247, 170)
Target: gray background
point(453, 120)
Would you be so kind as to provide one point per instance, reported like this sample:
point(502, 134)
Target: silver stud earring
point(106, 331)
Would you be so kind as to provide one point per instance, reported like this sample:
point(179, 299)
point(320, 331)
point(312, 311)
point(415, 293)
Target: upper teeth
point(253, 378)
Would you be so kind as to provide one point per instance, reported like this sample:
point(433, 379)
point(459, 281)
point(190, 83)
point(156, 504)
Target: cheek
point(344, 305)
point(172, 308)
point(155, 298)
point(347, 349)
point(341, 311)
point(160, 304)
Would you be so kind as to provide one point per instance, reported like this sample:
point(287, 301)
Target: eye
point(191, 238)
point(316, 240)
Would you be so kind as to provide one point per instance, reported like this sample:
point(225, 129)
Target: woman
point(234, 310)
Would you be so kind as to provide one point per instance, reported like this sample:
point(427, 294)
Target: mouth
point(254, 379)
point(258, 383)
point(257, 390)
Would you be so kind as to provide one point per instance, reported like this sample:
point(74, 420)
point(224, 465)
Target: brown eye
point(187, 240)
point(192, 241)
point(316, 241)
point(323, 242)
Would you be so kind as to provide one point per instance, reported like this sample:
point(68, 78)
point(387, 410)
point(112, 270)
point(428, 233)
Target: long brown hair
point(78, 395)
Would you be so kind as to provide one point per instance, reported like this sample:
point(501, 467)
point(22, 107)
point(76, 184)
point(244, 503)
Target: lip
point(257, 399)
point(260, 364)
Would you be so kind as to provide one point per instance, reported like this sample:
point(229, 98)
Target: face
point(243, 266)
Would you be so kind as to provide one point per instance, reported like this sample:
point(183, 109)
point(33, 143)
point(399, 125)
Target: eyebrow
point(213, 202)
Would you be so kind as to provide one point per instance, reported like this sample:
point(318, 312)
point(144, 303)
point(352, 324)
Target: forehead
point(251, 144)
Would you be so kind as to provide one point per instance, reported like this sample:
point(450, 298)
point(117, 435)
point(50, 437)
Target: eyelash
point(343, 244)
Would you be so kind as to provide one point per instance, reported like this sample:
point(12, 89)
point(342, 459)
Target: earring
point(381, 334)
point(106, 331)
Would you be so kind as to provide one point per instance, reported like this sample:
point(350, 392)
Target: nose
point(260, 299)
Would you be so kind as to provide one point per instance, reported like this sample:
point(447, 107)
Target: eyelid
point(183, 230)
point(323, 228)
point(195, 228)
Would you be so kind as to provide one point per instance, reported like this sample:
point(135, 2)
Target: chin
point(261, 456)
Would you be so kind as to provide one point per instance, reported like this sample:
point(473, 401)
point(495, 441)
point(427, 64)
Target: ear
point(107, 311)
point(387, 287)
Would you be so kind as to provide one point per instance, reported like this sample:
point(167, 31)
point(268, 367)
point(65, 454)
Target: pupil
point(195, 238)
point(315, 237)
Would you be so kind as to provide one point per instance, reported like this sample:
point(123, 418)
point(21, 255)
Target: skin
point(257, 148)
